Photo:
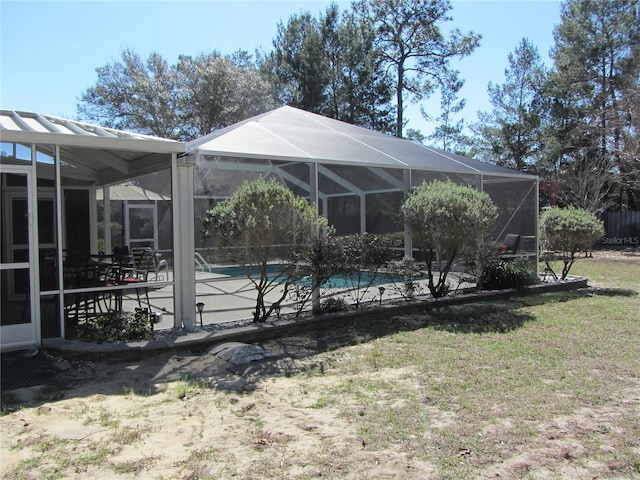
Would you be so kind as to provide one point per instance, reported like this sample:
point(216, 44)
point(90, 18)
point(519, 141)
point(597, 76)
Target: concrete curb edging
point(132, 351)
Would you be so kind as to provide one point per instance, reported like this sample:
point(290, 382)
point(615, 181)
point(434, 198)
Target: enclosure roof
point(128, 192)
point(288, 133)
point(105, 155)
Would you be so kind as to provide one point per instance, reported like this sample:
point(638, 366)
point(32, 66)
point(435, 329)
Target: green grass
point(505, 371)
point(189, 387)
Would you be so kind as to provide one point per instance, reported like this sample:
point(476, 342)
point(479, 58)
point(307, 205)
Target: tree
point(327, 65)
point(596, 75)
point(318, 264)
point(510, 135)
point(182, 101)
point(299, 63)
point(570, 231)
point(448, 133)
point(446, 221)
point(360, 91)
point(217, 91)
point(357, 258)
point(134, 95)
point(412, 46)
point(264, 224)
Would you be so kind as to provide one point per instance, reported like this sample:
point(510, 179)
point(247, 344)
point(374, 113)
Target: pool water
point(340, 281)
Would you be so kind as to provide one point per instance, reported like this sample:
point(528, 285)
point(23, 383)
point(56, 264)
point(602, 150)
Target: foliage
point(510, 135)
point(182, 101)
point(315, 267)
point(299, 62)
point(133, 94)
point(592, 88)
point(446, 221)
point(264, 222)
point(570, 231)
point(410, 271)
point(411, 43)
point(117, 327)
point(356, 258)
point(448, 134)
point(217, 91)
point(333, 305)
point(501, 274)
point(364, 255)
point(327, 65)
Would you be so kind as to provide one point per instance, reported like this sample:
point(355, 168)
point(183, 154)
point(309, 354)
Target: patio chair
point(160, 267)
point(80, 272)
point(510, 244)
point(139, 273)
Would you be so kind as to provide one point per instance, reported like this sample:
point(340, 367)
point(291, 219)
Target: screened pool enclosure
point(358, 179)
point(57, 174)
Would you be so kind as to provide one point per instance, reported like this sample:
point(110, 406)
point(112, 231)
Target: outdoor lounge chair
point(510, 244)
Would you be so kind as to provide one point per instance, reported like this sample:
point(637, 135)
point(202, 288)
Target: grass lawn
point(536, 387)
point(540, 387)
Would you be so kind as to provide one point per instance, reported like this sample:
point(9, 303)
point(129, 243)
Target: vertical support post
point(59, 256)
point(537, 213)
point(34, 248)
point(363, 213)
point(313, 184)
point(93, 220)
point(182, 175)
point(408, 241)
point(313, 196)
point(125, 224)
point(106, 196)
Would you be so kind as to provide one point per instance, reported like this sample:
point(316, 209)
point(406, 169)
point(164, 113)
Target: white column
point(537, 226)
point(106, 211)
point(313, 195)
point(363, 213)
point(313, 184)
point(408, 241)
point(182, 175)
point(59, 256)
point(93, 221)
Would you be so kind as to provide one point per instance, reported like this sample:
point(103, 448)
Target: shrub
point(117, 327)
point(569, 231)
point(262, 221)
point(333, 304)
point(364, 255)
point(500, 274)
point(410, 272)
point(446, 221)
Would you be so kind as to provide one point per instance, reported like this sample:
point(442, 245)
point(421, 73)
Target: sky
point(49, 50)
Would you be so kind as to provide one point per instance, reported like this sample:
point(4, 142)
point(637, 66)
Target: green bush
point(569, 231)
point(446, 221)
point(117, 327)
point(333, 304)
point(500, 274)
point(251, 229)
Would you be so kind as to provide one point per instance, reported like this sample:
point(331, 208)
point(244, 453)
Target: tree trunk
point(399, 100)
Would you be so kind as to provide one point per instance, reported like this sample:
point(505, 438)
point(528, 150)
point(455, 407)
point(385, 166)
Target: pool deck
point(200, 338)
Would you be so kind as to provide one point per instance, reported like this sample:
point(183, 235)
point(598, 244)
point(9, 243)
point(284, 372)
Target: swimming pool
point(341, 281)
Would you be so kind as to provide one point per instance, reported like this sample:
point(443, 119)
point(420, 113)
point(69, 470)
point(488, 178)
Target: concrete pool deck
point(249, 332)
